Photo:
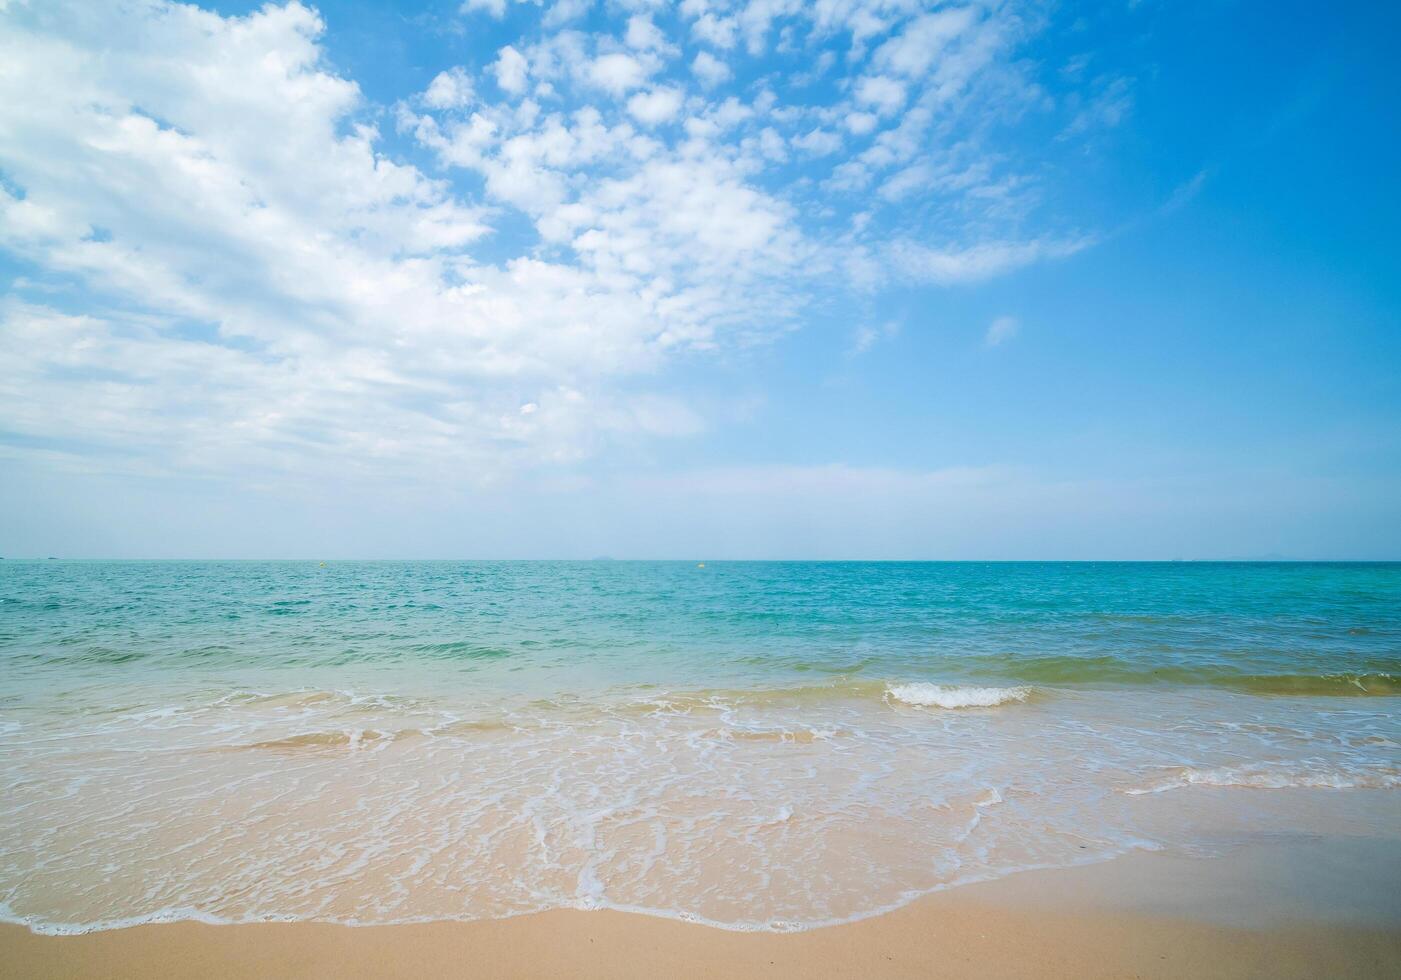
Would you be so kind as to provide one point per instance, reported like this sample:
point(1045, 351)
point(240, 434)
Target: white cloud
point(617, 73)
point(451, 89)
point(656, 106)
point(882, 92)
point(907, 182)
point(867, 336)
point(819, 142)
point(1001, 330)
point(510, 69)
point(710, 70)
point(1186, 192)
point(260, 283)
point(644, 35)
point(975, 263)
point(280, 319)
point(1105, 109)
point(228, 269)
point(564, 11)
point(717, 31)
point(923, 41)
point(860, 123)
point(496, 8)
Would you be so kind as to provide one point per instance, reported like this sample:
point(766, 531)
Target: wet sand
point(1298, 908)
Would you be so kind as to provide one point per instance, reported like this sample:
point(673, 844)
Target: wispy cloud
point(1186, 191)
point(976, 263)
point(1001, 330)
point(253, 279)
point(867, 336)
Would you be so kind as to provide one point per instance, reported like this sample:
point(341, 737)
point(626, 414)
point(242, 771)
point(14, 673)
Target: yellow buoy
point(700, 564)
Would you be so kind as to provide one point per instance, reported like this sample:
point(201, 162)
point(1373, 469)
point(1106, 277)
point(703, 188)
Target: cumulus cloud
point(860, 123)
point(617, 73)
point(496, 8)
point(451, 89)
point(710, 70)
point(510, 70)
point(655, 106)
point(881, 92)
point(715, 30)
point(819, 142)
point(267, 285)
point(644, 35)
point(250, 278)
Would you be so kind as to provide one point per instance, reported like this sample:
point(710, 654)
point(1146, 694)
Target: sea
point(753, 745)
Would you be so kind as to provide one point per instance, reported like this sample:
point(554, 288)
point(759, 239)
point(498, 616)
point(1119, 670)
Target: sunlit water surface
point(756, 745)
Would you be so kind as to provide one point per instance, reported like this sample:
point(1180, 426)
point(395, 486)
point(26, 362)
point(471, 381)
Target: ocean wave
point(44, 926)
point(625, 702)
point(303, 699)
point(943, 696)
point(723, 701)
point(1275, 776)
point(1023, 678)
point(1374, 679)
point(352, 739)
point(795, 736)
point(719, 700)
point(364, 738)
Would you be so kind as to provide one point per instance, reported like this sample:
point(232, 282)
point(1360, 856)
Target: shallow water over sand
point(758, 746)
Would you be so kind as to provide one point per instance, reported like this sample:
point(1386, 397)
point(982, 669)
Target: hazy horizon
point(704, 559)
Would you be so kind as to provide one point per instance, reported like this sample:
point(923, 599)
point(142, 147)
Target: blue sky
point(727, 279)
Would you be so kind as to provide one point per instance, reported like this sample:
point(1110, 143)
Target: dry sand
point(1315, 909)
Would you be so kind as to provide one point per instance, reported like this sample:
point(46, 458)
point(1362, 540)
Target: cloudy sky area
point(853, 278)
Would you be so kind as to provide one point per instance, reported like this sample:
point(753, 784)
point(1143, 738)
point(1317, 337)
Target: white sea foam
point(1275, 776)
point(781, 817)
point(771, 810)
point(942, 696)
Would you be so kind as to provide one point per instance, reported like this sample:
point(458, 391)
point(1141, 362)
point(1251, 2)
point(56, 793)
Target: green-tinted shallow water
point(761, 745)
point(1271, 628)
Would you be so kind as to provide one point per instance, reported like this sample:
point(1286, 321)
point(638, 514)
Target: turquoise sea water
point(1310, 628)
point(759, 745)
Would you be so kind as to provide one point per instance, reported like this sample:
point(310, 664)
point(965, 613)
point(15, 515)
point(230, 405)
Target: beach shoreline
point(1271, 909)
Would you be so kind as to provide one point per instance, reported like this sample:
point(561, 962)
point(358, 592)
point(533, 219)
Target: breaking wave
point(943, 696)
point(1276, 776)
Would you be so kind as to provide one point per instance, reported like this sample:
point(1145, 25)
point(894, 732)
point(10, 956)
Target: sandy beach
point(1305, 908)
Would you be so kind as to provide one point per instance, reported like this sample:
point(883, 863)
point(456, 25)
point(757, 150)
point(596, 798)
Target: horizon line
point(1260, 560)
